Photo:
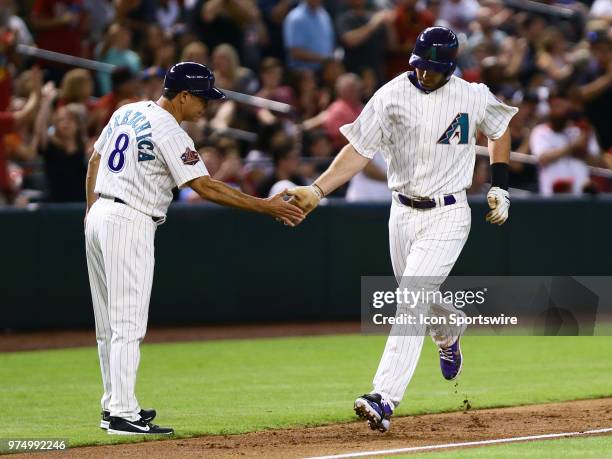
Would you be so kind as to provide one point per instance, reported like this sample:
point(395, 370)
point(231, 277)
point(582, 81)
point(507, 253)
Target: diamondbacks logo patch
point(458, 131)
point(190, 157)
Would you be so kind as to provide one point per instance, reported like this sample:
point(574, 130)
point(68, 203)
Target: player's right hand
point(282, 210)
point(305, 197)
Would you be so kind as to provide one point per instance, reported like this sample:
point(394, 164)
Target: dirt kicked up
point(430, 429)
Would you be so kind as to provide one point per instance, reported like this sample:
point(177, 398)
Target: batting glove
point(305, 197)
point(499, 203)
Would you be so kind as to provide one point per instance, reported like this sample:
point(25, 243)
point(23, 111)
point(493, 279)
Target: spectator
point(331, 70)
point(60, 26)
point(152, 82)
point(602, 9)
point(523, 176)
point(167, 14)
point(286, 165)
point(552, 57)
point(309, 35)
point(223, 21)
point(370, 185)
point(124, 90)
point(410, 20)
point(137, 15)
point(7, 56)
point(64, 155)
point(225, 163)
point(101, 15)
point(529, 31)
point(457, 14)
point(116, 50)
point(310, 101)
point(273, 14)
point(9, 121)
point(365, 37)
point(273, 89)
point(595, 90)
point(320, 147)
point(154, 39)
point(196, 51)
point(228, 72)
point(561, 150)
point(165, 55)
point(484, 31)
point(76, 90)
point(14, 24)
point(18, 144)
point(345, 109)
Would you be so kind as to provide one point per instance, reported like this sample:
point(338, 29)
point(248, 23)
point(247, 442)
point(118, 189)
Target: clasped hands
point(306, 198)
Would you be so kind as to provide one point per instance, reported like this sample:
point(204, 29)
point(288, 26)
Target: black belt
point(424, 203)
point(121, 201)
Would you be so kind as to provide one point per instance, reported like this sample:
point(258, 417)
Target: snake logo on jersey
point(458, 131)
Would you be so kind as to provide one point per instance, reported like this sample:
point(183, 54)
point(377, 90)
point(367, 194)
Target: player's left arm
point(498, 197)
point(90, 180)
point(494, 123)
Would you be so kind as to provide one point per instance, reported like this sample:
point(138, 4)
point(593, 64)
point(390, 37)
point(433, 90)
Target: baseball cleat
point(120, 426)
point(147, 415)
point(451, 360)
point(376, 410)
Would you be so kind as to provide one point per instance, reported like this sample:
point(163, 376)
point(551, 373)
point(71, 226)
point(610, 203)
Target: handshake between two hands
point(291, 206)
point(304, 199)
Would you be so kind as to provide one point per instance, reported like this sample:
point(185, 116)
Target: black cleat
point(147, 415)
point(120, 426)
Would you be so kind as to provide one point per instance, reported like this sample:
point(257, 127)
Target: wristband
point(318, 191)
point(499, 175)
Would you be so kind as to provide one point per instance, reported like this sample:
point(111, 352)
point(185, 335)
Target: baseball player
point(141, 155)
point(424, 123)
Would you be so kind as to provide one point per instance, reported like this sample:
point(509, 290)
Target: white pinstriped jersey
point(144, 155)
point(427, 139)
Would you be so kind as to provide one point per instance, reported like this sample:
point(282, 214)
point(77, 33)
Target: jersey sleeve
point(365, 134)
point(183, 161)
point(497, 116)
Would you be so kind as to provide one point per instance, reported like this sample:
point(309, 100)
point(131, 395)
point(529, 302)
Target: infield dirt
point(430, 429)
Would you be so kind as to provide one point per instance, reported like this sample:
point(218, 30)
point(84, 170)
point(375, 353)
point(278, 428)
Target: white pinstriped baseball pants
point(120, 259)
point(424, 244)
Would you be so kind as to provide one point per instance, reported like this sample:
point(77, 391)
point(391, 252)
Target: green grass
point(238, 386)
point(578, 448)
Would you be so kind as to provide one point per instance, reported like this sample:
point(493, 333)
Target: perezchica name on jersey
point(142, 129)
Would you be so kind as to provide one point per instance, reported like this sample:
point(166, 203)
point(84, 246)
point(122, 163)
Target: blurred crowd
point(323, 59)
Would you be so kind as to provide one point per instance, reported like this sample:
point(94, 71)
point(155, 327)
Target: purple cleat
point(451, 360)
point(376, 410)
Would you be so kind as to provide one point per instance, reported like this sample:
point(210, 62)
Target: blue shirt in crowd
point(310, 29)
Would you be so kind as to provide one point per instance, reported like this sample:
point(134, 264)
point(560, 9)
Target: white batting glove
point(499, 203)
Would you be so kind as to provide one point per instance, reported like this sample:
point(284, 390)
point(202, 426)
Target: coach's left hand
point(499, 203)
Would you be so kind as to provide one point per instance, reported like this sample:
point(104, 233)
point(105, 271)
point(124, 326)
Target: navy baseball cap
point(196, 79)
